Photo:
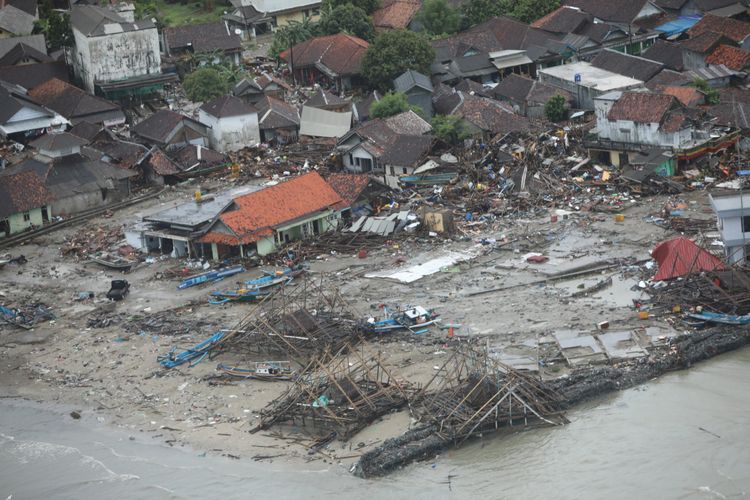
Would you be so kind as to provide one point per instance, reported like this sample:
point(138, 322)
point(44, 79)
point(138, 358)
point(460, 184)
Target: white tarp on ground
point(415, 272)
point(322, 123)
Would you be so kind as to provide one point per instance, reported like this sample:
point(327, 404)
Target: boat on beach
point(263, 370)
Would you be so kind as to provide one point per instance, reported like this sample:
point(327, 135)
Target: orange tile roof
point(396, 15)
point(259, 212)
point(688, 96)
point(348, 186)
point(731, 57)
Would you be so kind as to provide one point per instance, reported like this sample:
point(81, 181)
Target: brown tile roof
point(641, 107)
point(348, 186)
point(162, 164)
point(704, 42)
point(395, 14)
point(667, 78)
point(194, 154)
point(619, 11)
point(259, 212)
point(275, 113)
point(409, 123)
point(228, 105)
point(689, 96)
point(731, 57)
point(671, 55)
point(673, 121)
point(341, 53)
point(624, 64)
point(29, 76)
point(21, 192)
point(70, 101)
point(158, 126)
point(204, 37)
point(736, 30)
point(565, 19)
point(490, 115)
point(323, 99)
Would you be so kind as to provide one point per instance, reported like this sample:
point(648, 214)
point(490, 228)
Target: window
point(746, 224)
point(26, 216)
point(351, 159)
point(393, 170)
point(405, 171)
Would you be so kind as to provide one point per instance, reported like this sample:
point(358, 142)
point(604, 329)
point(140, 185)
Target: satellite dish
point(238, 31)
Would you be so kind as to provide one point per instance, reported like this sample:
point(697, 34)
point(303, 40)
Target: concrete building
point(278, 120)
point(733, 221)
point(114, 55)
point(586, 82)
point(234, 124)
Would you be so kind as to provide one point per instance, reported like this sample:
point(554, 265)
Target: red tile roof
point(341, 53)
point(641, 107)
point(259, 212)
point(348, 186)
point(736, 30)
point(731, 57)
point(395, 14)
point(689, 96)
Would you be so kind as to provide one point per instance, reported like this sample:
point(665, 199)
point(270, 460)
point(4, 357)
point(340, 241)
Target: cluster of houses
point(665, 81)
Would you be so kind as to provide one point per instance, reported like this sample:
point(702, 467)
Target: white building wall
point(231, 133)
point(638, 133)
point(359, 153)
point(116, 56)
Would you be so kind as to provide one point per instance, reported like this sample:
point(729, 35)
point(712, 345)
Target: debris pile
point(89, 241)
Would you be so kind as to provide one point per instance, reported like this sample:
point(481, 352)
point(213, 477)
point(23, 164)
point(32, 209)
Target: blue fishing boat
point(414, 319)
point(254, 289)
point(200, 351)
point(726, 319)
point(428, 179)
point(210, 276)
point(270, 279)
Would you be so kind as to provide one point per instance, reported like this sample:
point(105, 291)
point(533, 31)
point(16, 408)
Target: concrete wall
point(16, 222)
point(283, 19)
point(231, 133)
point(116, 56)
point(350, 160)
point(641, 133)
point(420, 97)
point(693, 60)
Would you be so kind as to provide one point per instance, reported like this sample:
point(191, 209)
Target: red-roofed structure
point(731, 57)
point(292, 210)
point(680, 256)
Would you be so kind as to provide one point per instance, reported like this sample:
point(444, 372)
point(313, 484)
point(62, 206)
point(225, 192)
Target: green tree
point(554, 108)
point(204, 84)
point(290, 35)
point(712, 95)
point(528, 11)
point(439, 18)
point(369, 6)
point(450, 129)
point(390, 104)
point(349, 19)
point(55, 26)
point(392, 53)
point(478, 11)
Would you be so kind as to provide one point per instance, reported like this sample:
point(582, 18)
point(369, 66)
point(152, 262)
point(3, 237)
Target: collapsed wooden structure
point(299, 322)
point(472, 394)
point(341, 392)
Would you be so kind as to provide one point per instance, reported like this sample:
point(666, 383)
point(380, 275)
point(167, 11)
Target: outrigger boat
point(116, 263)
point(239, 295)
point(217, 275)
point(414, 319)
point(256, 288)
point(727, 319)
point(200, 351)
point(265, 370)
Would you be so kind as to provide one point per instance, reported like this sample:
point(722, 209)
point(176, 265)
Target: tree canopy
point(293, 33)
point(554, 108)
point(369, 6)
point(204, 84)
point(392, 53)
point(450, 129)
point(712, 95)
point(349, 19)
point(526, 11)
point(54, 25)
point(439, 18)
point(391, 104)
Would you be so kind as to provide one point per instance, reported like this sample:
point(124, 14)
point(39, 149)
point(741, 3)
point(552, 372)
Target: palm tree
point(296, 32)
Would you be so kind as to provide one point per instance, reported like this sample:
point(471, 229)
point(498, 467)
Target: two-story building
point(114, 55)
point(733, 220)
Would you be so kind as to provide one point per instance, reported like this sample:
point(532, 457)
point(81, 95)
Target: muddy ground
point(101, 356)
